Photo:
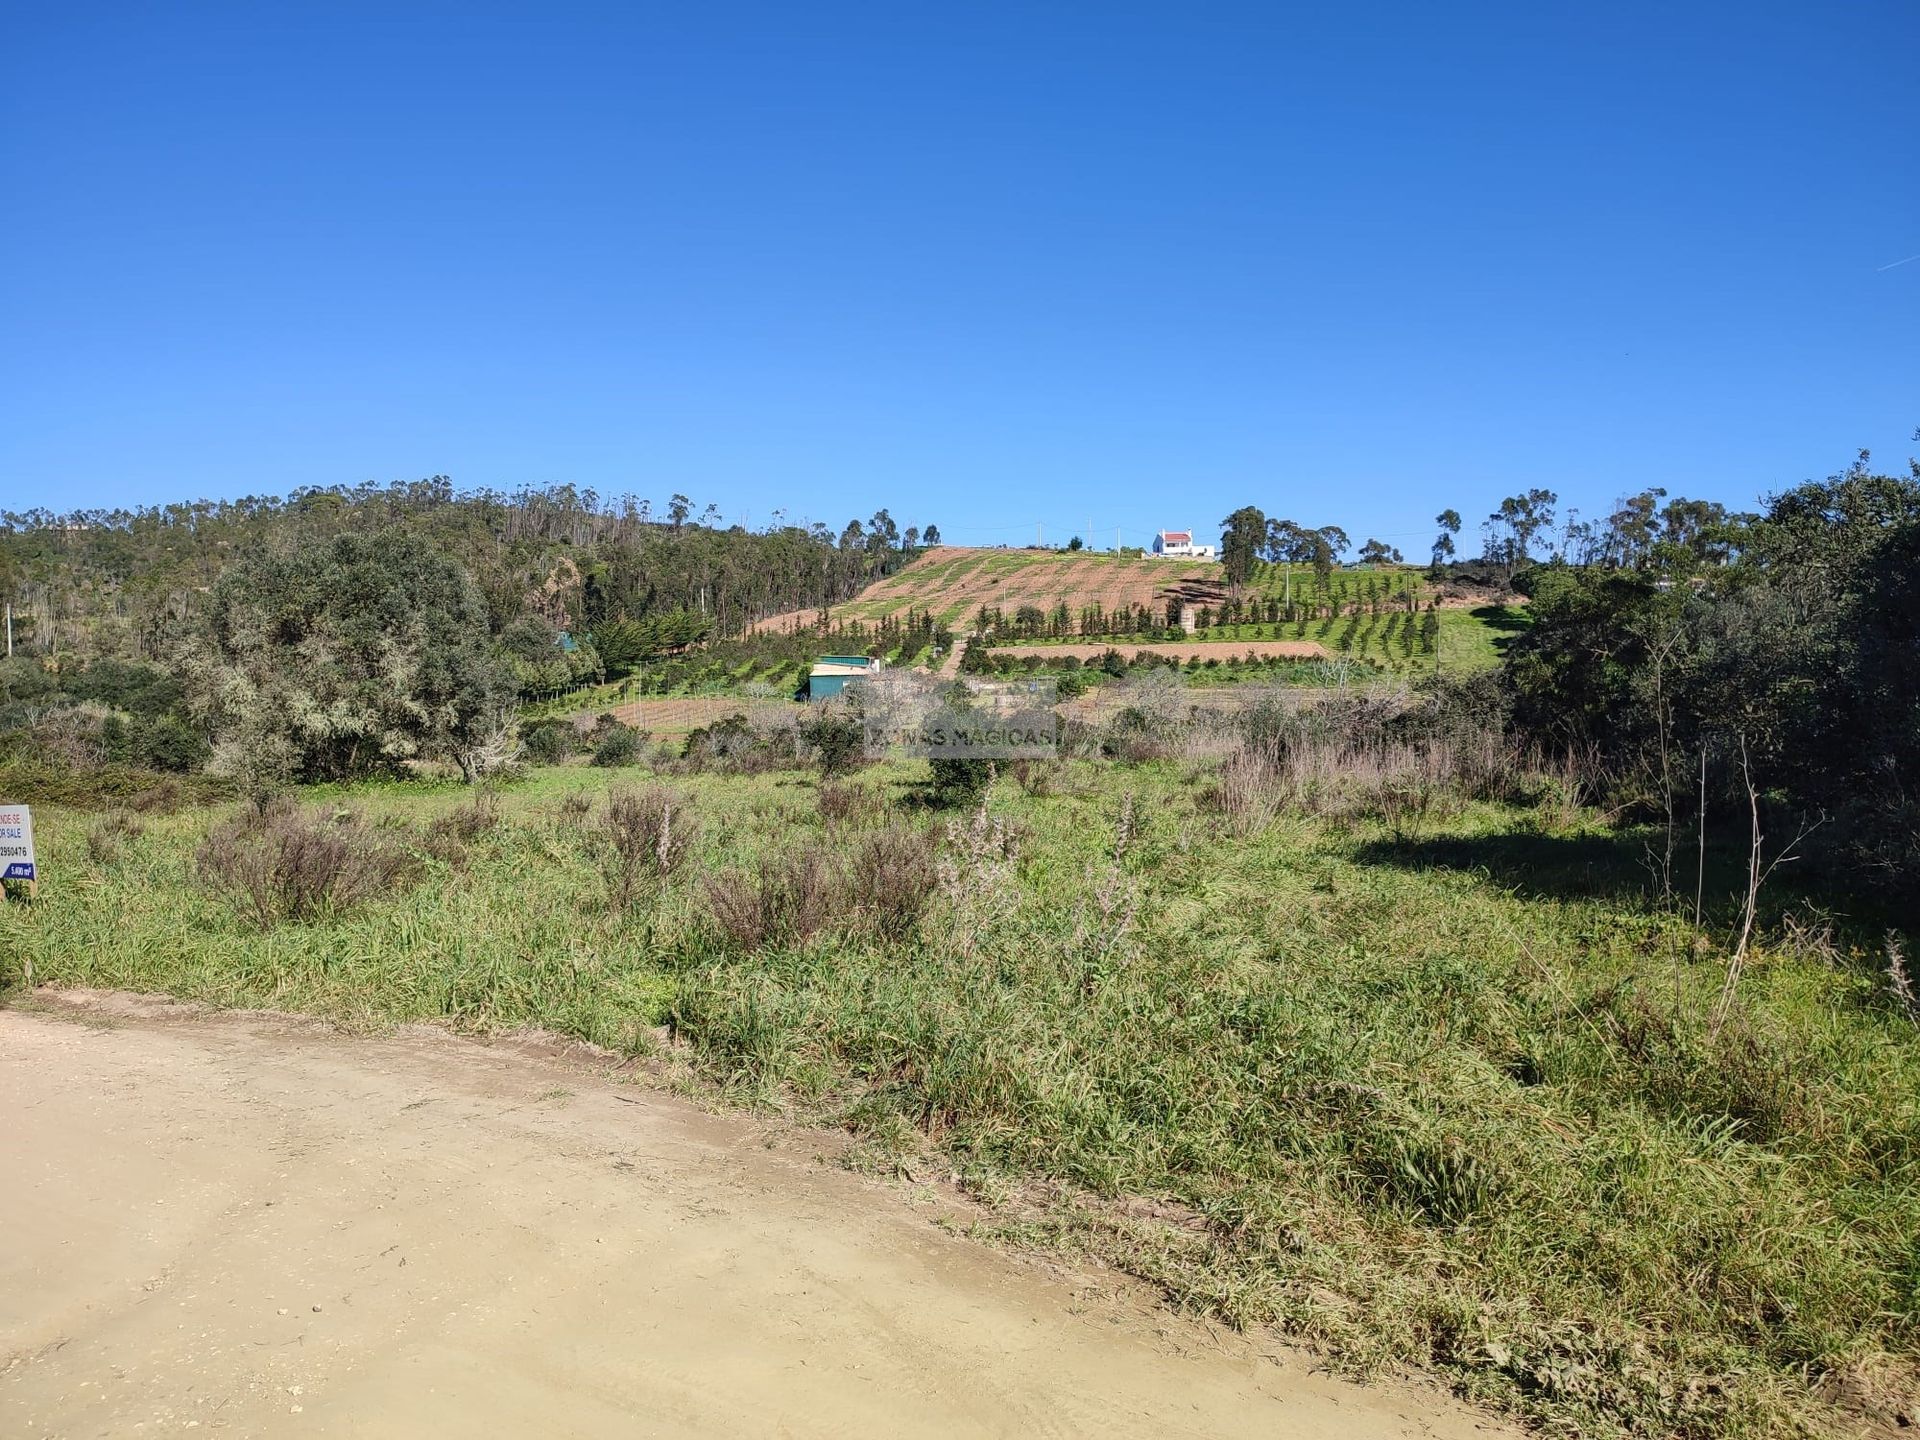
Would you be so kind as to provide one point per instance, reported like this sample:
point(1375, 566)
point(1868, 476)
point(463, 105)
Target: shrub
point(618, 745)
point(550, 744)
point(448, 837)
point(576, 806)
point(891, 879)
point(1037, 777)
point(645, 834)
point(958, 783)
point(843, 804)
point(835, 741)
point(727, 739)
point(786, 902)
point(279, 864)
point(469, 821)
point(383, 634)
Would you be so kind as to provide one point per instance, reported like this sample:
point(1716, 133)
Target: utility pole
point(1039, 540)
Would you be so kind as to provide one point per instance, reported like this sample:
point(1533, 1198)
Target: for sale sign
point(16, 843)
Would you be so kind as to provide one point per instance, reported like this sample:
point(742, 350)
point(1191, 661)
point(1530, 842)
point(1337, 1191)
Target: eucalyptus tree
point(1243, 534)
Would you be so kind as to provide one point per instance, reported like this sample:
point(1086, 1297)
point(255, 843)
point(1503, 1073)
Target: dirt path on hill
point(251, 1224)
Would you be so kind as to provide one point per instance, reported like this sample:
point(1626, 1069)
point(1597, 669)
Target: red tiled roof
point(1177, 537)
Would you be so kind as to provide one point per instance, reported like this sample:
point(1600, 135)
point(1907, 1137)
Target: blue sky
point(990, 266)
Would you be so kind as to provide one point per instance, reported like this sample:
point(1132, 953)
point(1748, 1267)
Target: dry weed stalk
point(1757, 875)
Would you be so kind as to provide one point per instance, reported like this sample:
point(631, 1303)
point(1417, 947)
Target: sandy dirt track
point(252, 1225)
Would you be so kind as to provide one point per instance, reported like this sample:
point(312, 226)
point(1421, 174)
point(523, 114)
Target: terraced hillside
point(1368, 613)
point(953, 583)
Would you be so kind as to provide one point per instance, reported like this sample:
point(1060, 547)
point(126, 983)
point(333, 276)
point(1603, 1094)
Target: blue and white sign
point(16, 843)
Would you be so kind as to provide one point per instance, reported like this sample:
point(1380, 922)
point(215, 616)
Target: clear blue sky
point(987, 265)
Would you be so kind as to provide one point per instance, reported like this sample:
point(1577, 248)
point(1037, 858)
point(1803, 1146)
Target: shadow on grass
point(1557, 867)
point(1501, 617)
point(1508, 621)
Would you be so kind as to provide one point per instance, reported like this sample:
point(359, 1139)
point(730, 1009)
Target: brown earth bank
point(1189, 650)
point(251, 1224)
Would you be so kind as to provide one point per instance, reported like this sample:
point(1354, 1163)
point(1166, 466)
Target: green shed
point(831, 673)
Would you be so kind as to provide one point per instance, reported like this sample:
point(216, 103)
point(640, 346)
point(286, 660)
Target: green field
point(1468, 639)
point(1409, 1067)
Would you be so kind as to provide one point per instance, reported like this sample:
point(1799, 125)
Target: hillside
point(132, 584)
point(953, 582)
point(1363, 613)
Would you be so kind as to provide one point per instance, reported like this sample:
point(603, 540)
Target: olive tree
point(349, 656)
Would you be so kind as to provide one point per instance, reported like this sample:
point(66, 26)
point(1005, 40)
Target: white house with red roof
point(1178, 545)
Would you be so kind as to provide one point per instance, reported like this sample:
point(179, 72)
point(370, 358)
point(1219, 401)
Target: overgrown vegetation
point(1552, 1025)
point(1347, 1017)
point(1793, 661)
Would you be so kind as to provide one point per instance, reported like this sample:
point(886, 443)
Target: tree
point(1328, 542)
point(1377, 552)
point(348, 657)
point(932, 535)
point(1511, 529)
point(1075, 543)
point(1243, 535)
point(1443, 549)
point(678, 508)
point(1801, 652)
point(1290, 544)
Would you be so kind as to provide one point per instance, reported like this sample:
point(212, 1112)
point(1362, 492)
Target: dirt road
point(253, 1225)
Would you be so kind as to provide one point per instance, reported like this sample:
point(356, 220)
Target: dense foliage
point(1790, 638)
point(345, 657)
point(130, 583)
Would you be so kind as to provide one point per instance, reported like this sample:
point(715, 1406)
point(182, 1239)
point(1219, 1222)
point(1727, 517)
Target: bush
point(157, 742)
point(550, 744)
point(645, 834)
point(449, 836)
point(618, 745)
point(842, 804)
point(277, 863)
point(784, 903)
point(718, 740)
point(891, 879)
point(959, 783)
point(835, 741)
point(1037, 777)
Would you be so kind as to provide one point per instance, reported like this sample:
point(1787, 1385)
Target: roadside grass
point(1440, 1093)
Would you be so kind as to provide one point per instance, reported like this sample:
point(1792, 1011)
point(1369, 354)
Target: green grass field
point(1431, 1087)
